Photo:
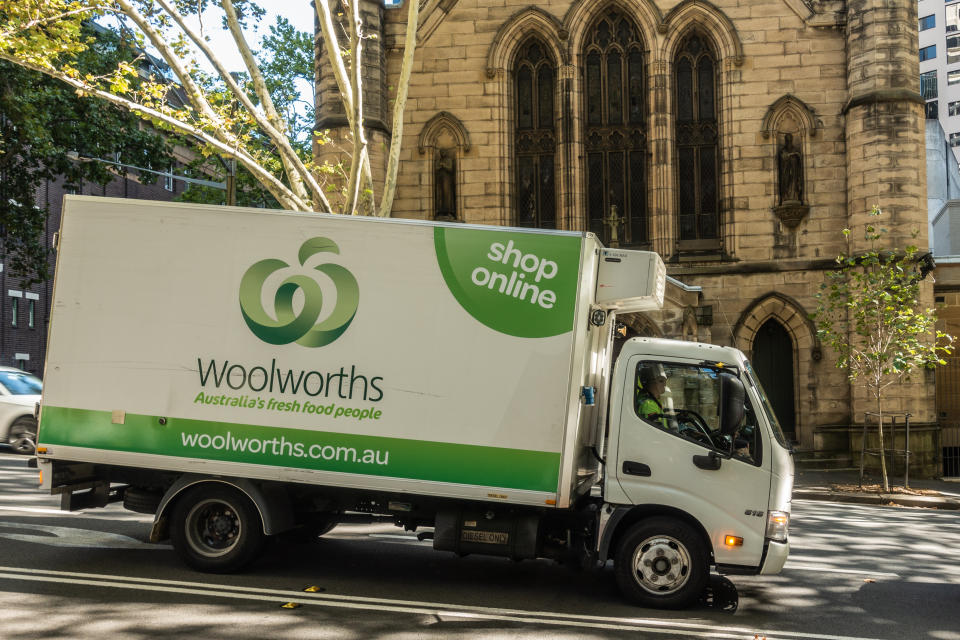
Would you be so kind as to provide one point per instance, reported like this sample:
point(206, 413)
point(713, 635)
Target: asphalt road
point(855, 573)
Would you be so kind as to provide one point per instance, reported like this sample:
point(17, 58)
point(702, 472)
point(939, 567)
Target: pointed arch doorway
point(773, 360)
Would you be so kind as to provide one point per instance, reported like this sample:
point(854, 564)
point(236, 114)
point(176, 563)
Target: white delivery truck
point(241, 374)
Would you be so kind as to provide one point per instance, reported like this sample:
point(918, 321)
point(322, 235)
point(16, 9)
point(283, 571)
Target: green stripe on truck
point(303, 449)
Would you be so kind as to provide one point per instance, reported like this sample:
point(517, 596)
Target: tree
point(869, 312)
point(223, 114)
point(286, 60)
point(42, 124)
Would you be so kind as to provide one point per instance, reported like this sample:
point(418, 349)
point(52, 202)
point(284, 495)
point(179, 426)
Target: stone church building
point(736, 138)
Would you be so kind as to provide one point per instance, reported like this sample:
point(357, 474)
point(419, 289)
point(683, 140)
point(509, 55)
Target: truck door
point(670, 451)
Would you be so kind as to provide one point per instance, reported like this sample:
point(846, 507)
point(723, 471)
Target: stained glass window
point(536, 140)
point(698, 159)
point(616, 136)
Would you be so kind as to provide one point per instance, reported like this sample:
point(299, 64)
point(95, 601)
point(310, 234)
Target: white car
point(19, 395)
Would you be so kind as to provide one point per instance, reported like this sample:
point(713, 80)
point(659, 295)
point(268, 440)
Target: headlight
point(778, 522)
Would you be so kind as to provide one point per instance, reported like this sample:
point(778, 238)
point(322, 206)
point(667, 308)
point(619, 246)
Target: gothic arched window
point(698, 151)
point(615, 129)
point(536, 140)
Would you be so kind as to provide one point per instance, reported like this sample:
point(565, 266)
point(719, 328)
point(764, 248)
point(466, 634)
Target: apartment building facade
point(939, 52)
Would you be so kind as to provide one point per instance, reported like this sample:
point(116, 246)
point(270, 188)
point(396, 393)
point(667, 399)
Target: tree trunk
point(883, 456)
point(393, 161)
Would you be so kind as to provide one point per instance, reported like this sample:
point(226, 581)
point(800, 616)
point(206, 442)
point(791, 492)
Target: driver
point(651, 383)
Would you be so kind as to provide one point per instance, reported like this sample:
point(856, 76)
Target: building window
point(928, 85)
point(953, 18)
point(928, 53)
point(954, 108)
point(31, 313)
point(168, 179)
point(15, 309)
point(536, 138)
point(931, 110)
point(698, 152)
point(953, 77)
point(955, 139)
point(953, 49)
point(928, 22)
point(615, 134)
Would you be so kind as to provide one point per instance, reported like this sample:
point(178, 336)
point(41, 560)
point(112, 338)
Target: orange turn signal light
point(733, 541)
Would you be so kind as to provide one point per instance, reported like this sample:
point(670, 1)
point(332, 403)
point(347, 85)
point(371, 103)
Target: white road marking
point(38, 510)
point(793, 565)
point(651, 625)
point(72, 537)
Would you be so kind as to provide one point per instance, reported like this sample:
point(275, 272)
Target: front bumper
point(776, 557)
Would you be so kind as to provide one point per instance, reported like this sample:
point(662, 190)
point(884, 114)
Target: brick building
point(25, 311)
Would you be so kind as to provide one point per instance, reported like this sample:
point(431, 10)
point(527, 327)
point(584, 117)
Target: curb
point(928, 502)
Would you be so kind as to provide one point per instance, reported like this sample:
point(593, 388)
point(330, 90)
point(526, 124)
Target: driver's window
point(681, 399)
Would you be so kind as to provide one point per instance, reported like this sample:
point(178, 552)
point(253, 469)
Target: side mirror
point(732, 399)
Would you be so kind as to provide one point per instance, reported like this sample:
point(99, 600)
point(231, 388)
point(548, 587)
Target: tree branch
point(393, 161)
point(356, 84)
point(332, 45)
point(280, 191)
point(196, 96)
point(40, 22)
point(292, 164)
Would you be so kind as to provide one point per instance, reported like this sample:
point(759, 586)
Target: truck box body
point(428, 358)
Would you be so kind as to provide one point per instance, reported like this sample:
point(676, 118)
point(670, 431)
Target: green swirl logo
point(288, 326)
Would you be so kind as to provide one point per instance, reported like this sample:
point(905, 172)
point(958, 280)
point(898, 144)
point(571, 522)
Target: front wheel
point(662, 562)
point(216, 529)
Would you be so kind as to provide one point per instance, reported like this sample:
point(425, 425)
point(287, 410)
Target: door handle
point(631, 468)
point(709, 462)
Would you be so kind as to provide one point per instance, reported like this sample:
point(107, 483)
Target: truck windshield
point(767, 409)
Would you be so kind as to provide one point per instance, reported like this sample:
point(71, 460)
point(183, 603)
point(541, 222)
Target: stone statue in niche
point(445, 180)
point(790, 208)
point(790, 172)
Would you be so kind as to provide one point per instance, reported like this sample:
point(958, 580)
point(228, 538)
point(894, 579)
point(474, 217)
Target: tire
point(216, 529)
point(662, 563)
point(23, 436)
point(141, 500)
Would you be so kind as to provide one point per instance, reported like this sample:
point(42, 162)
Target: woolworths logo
point(286, 325)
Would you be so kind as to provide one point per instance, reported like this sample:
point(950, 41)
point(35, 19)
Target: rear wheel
point(662, 562)
point(23, 435)
point(216, 528)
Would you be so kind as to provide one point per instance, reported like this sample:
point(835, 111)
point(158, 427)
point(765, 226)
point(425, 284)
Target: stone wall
point(841, 79)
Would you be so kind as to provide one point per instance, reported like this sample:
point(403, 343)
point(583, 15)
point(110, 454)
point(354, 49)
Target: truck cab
point(698, 471)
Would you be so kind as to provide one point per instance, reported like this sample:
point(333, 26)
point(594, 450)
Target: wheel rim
point(661, 565)
point(213, 528)
point(23, 440)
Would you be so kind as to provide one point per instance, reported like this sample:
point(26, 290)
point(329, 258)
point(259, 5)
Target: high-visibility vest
point(649, 409)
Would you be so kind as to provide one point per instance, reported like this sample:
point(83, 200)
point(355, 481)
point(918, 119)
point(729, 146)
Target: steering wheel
point(692, 425)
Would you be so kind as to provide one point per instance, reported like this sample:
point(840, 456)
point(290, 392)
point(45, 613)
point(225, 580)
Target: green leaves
point(45, 130)
point(869, 312)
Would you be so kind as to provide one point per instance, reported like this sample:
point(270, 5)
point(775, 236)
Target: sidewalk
point(842, 486)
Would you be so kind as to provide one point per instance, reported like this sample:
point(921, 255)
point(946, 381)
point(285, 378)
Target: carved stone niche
point(791, 214)
point(790, 125)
